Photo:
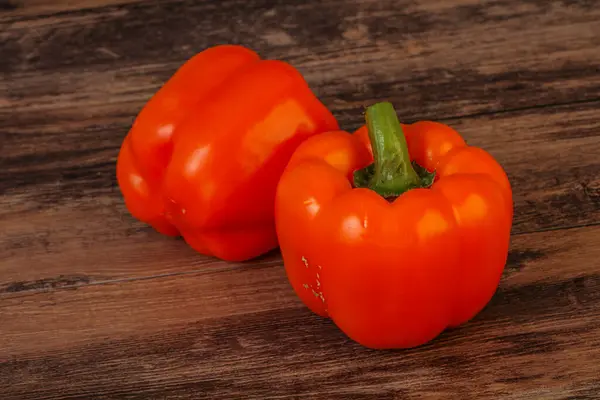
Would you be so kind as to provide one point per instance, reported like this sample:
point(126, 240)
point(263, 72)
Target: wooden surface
point(94, 304)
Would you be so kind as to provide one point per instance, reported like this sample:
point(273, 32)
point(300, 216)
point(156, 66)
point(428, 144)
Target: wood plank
point(434, 59)
point(10, 9)
point(149, 256)
point(233, 333)
point(57, 176)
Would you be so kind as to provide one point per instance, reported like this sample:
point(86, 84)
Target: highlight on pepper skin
point(396, 232)
point(221, 129)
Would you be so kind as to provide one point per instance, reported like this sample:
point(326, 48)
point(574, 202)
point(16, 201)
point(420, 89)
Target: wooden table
point(94, 304)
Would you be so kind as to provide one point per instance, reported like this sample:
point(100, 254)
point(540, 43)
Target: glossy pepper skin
point(395, 262)
point(204, 155)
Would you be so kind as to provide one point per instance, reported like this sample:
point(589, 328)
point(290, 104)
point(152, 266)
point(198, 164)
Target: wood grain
point(541, 258)
point(225, 334)
point(94, 304)
point(44, 8)
point(59, 178)
point(432, 58)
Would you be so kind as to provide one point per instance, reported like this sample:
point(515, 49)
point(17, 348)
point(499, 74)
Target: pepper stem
point(392, 172)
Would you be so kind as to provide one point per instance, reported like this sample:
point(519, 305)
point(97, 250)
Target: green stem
point(392, 173)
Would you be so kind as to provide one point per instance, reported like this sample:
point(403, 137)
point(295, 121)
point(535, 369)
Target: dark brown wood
point(555, 183)
point(218, 333)
point(94, 304)
point(433, 59)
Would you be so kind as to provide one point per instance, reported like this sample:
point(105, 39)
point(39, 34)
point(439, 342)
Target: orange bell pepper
point(395, 232)
point(204, 155)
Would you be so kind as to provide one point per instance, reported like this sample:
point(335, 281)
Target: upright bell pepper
point(395, 232)
point(204, 155)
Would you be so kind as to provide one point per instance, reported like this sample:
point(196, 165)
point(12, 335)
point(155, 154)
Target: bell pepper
point(204, 155)
point(396, 232)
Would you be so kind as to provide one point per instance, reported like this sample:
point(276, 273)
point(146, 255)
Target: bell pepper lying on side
point(204, 156)
point(393, 251)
